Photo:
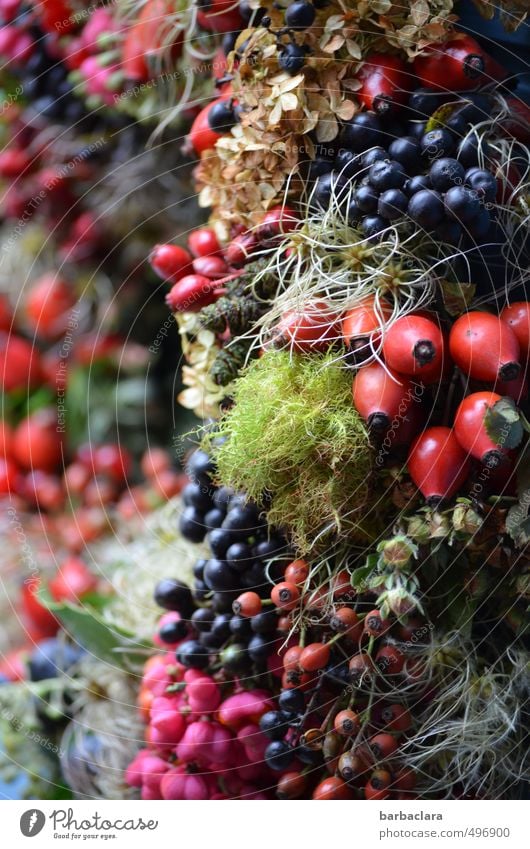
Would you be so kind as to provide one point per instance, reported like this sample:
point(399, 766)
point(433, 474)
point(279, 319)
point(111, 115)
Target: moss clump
point(295, 441)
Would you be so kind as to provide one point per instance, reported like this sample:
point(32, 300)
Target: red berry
point(191, 293)
point(291, 658)
point(362, 326)
point(278, 220)
point(220, 16)
point(37, 442)
point(438, 464)
point(389, 660)
point(516, 389)
point(170, 262)
point(201, 137)
point(6, 439)
point(34, 610)
point(291, 785)
point(375, 625)
point(8, 476)
point(240, 249)
point(347, 723)
point(154, 461)
point(396, 718)
point(346, 621)
point(518, 317)
point(315, 656)
point(247, 604)
point(380, 395)
point(13, 162)
point(484, 347)
point(76, 477)
point(213, 267)
point(312, 328)
point(297, 572)
point(385, 82)
point(361, 668)
point(377, 786)
point(48, 306)
point(72, 581)
point(20, 363)
point(382, 746)
point(458, 65)
point(203, 242)
point(44, 489)
point(414, 345)
point(332, 788)
point(285, 595)
point(6, 313)
point(470, 428)
point(112, 460)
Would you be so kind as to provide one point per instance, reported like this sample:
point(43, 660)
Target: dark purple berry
point(426, 208)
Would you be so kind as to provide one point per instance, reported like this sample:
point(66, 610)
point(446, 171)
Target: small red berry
point(292, 785)
point(213, 267)
point(285, 595)
point(375, 625)
point(203, 242)
point(278, 220)
point(112, 460)
point(242, 246)
point(332, 788)
point(438, 464)
point(170, 262)
point(191, 293)
point(297, 572)
point(470, 428)
point(382, 746)
point(414, 345)
point(389, 660)
point(377, 786)
point(37, 441)
point(517, 315)
point(361, 668)
point(484, 347)
point(314, 657)
point(396, 718)
point(347, 722)
point(312, 328)
point(380, 395)
point(346, 621)
point(247, 604)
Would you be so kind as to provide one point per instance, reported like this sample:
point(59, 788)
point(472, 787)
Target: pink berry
point(195, 745)
point(204, 695)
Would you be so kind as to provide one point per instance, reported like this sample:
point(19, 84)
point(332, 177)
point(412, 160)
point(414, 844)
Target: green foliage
point(293, 437)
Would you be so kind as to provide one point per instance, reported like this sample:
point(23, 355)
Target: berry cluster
point(336, 727)
point(203, 740)
point(246, 555)
point(435, 177)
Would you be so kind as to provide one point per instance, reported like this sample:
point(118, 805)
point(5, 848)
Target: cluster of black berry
point(45, 84)
point(246, 556)
point(400, 169)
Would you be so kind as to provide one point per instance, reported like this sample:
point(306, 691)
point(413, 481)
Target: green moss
point(294, 434)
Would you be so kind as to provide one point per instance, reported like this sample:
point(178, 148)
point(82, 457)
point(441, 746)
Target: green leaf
point(360, 576)
point(503, 424)
point(439, 116)
point(106, 642)
point(457, 297)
